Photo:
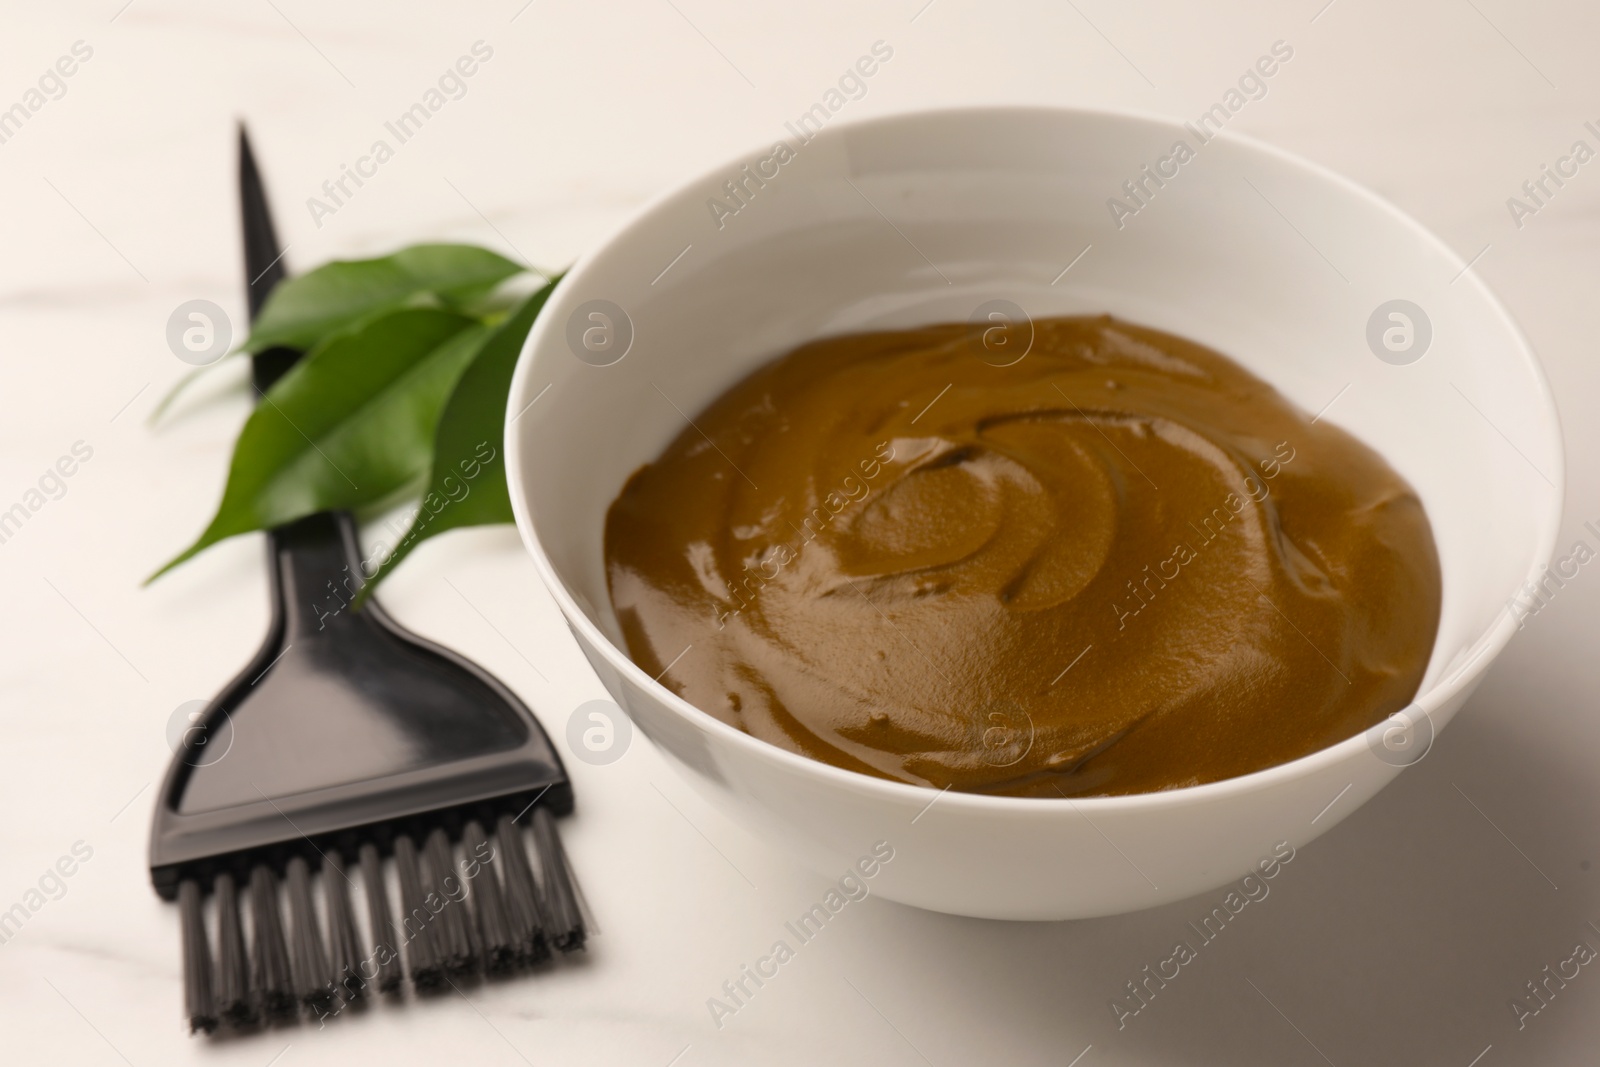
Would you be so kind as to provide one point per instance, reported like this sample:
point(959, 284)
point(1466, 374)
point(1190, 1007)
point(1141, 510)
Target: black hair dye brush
point(348, 742)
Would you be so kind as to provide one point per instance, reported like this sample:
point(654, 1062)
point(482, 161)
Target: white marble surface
point(1399, 938)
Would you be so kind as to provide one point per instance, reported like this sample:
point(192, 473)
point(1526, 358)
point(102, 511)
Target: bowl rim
point(1474, 660)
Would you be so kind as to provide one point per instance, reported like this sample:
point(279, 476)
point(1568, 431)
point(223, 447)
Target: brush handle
point(315, 561)
point(316, 572)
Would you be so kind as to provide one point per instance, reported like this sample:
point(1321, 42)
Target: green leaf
point(304, 311)
point(350, 424)
point(467, 486)
point(336, 296)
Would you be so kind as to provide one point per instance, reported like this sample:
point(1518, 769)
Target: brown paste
point(1120, 564)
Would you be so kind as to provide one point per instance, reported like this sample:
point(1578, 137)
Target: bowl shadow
point(1401, 936)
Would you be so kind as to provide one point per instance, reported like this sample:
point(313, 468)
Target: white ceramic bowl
point(918, 218)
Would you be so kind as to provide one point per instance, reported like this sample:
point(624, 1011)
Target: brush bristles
point(455, 925)
point(522, 895)
point(385, 955)
point(234, 1002)
point(343, 941)
point(483, 906)
point(563, 900)
point(197, 998)
point(494, 925)
point(308, 963)
point(272, 982)
point(421, 937)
